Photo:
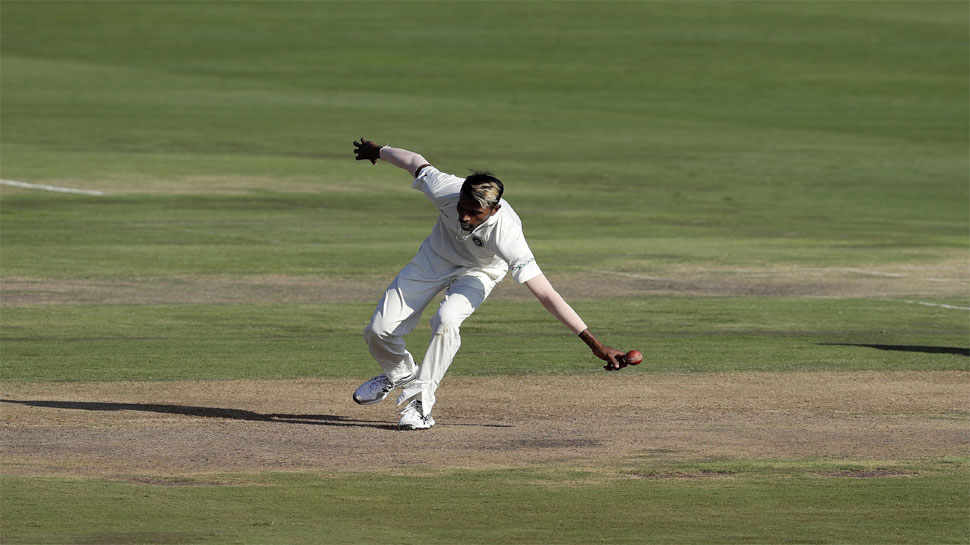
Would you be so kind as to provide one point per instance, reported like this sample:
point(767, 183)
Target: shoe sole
point(371, 402)
point(408, 427)
point(412, 427)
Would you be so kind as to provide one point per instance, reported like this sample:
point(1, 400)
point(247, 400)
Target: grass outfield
point(764, 502)
point(226, 341)
point(732, 187)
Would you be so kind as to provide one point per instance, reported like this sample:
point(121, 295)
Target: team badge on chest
point(478, 242)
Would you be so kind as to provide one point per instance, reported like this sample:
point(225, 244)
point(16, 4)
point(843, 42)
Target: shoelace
point(416, 407)
point(385, 383)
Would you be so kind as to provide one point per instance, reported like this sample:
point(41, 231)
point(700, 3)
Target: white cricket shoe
point(413, 419)
point(377, 388)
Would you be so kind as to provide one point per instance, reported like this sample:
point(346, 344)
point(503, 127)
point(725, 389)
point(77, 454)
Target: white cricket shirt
point(495, 247)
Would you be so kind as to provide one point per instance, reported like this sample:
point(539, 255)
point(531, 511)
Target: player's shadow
point(231, 414)
point(207, 412)
point(909, 348)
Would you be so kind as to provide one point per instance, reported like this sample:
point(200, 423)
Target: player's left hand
point(367, 150)
point(615, 359)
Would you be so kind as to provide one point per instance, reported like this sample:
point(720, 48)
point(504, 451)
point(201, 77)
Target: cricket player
point(476, 241)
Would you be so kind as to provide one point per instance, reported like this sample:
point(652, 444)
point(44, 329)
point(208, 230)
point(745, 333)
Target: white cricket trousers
point(399, 311)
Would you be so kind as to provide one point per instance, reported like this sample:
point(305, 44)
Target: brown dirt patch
point(174, 482)
point(869, 473)
point(181, 428)
point(936, 278)
point(685, 475)
point(269, 288)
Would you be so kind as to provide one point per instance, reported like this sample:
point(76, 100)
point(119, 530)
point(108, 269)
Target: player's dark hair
point(483, 187)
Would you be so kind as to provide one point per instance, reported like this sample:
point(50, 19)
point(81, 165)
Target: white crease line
point(941, 305)
point(785, 274)
point(53, 188)
point(876, 273)
point(630, 275)
point(896, 275)
point(810, 271)
point(935, 305)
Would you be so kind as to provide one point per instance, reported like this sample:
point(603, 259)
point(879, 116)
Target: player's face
point(471, 214)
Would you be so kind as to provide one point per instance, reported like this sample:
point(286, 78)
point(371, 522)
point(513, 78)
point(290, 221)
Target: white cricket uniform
point(468, 264)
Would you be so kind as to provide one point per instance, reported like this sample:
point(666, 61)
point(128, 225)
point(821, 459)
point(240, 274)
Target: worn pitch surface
point(157, 428)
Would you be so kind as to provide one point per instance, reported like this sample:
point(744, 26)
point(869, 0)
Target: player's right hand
point(367, 150)
point(615, 359)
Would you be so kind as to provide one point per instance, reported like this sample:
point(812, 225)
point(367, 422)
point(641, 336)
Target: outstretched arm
point(401, 158)
point(558, 307)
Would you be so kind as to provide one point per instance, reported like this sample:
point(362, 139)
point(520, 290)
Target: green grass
point(354, 231)
point(755, 502)
point(824, 125)
point(204, 341)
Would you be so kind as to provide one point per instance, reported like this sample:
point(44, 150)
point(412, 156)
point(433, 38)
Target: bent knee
point(376, 331)
point(446, 322)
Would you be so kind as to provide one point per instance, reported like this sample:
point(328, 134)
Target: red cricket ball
point(634, 357)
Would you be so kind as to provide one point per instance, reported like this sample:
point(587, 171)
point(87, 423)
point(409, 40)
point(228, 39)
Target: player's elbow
point(415, 162)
